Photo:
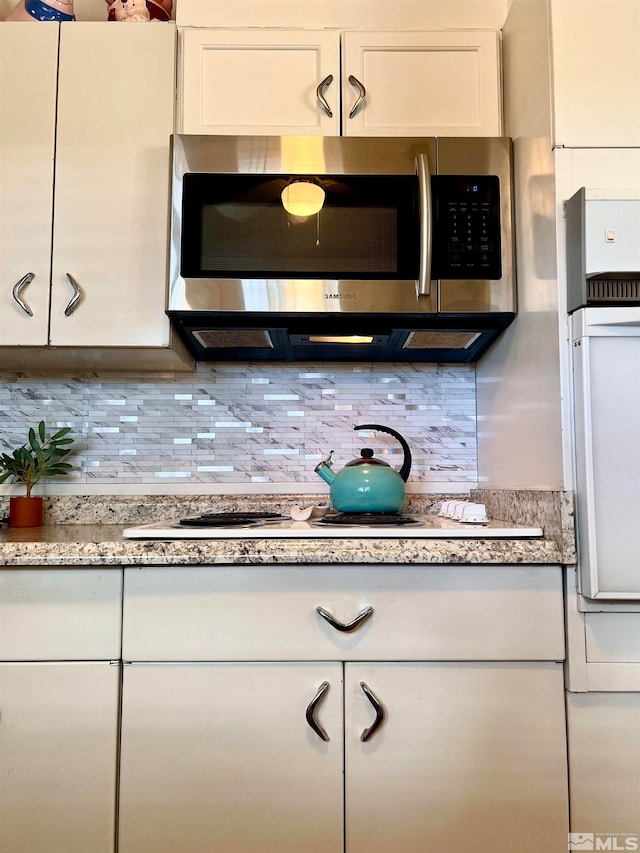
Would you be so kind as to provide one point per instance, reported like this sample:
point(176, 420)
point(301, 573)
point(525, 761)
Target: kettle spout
point(323, 469)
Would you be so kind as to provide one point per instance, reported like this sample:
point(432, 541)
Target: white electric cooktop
point(422, 527)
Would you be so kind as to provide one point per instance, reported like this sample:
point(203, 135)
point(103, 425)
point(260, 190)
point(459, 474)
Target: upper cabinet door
point(260, 82)
point(27, 131)
point(115, 116)
point(596, 73)
point(422, 84)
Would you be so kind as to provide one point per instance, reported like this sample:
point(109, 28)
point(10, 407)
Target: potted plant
point(40, 457)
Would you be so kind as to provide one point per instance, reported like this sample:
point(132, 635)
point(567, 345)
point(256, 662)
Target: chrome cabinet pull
point(349, 626)
point(18, 287)
point(328, 80)
point(368, 733)
point(77, 294)
point(424, 205)
point(312, 707)
point(362, 94)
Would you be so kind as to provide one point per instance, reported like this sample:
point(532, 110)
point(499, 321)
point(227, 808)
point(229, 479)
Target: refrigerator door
point(606, 373)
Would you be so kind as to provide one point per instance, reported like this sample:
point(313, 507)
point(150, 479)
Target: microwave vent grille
point(431, 339)
point(614, 290)
point(233, 338)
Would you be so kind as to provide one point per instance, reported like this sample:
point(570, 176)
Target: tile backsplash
point(249, 427)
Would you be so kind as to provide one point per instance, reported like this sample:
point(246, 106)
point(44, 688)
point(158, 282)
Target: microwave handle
point(424, 204)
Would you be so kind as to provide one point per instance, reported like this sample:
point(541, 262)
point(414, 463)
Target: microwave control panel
point(466, 230)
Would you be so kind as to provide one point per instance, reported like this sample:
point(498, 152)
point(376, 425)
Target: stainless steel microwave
point(341, 248)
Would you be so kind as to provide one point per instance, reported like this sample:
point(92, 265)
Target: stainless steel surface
point(346, 627)
point(379, 709)
point(18, 287)
point(459, 156)
point(348, 156)
point(362, 94)
point(312, 707)
point(75, 299)
point(424, 200)
point(322, 87)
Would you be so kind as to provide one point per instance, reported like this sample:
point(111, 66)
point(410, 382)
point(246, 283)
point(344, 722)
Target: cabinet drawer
point(255, 613)
point(60, 614)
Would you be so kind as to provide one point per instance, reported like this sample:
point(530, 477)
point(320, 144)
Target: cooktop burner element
point(231, 519)
point(368, 519)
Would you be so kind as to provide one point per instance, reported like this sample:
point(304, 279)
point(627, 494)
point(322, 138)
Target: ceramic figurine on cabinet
point(43, 10)
point(139, 10)
point(133, 11)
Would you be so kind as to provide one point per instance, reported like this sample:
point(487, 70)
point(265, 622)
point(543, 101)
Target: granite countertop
point(87, 531)
point(102, 544)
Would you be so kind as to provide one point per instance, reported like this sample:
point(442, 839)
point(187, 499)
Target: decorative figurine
point(43, 10)
point(139, 10)
point(132, 11)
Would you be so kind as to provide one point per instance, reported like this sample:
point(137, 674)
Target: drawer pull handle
point(313, 706)
point(328, 80)
point(349, 626)
point(368, 733)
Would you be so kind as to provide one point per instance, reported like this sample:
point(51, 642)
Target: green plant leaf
point(42, 430)
point(60, 433)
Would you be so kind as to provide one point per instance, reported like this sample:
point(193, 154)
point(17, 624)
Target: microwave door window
point(358, 227)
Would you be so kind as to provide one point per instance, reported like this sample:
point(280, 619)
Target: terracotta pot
point(25, 512)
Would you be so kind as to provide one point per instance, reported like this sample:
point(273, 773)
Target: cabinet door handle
point(18, 287)
point(349, 626)
point(77, 294)
point(424, 204)
point(322, 87)
point(312, 707)
point(379, 709)
point(362, 94)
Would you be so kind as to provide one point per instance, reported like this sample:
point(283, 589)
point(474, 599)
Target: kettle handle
point(406, 462)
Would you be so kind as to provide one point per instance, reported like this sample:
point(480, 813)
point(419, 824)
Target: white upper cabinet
point(115, 117)
point(280, 82)
point(422, 83)
point(259, 82)
point(596, 73)
point(27, 132)
point(84, 194)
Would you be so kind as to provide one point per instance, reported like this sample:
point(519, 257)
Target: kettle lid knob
point(366, 453)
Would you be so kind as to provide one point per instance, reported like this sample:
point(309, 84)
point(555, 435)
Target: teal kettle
point(367, 484)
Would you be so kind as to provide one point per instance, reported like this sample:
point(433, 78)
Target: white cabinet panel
point(58, 756)
point(258, 81)
point(60, 614)
point(27, 130)
point(223, 752)
point(468, 758)
point(604, 762)
point(419, 613)
point(423, 83)
point(596, 72)
point(115, 116)
point(612, 637)
point(266, 81)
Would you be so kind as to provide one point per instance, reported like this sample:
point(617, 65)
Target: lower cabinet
point(223, 757)
point(58, 748)
point(60, 640)
point(424, 717)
